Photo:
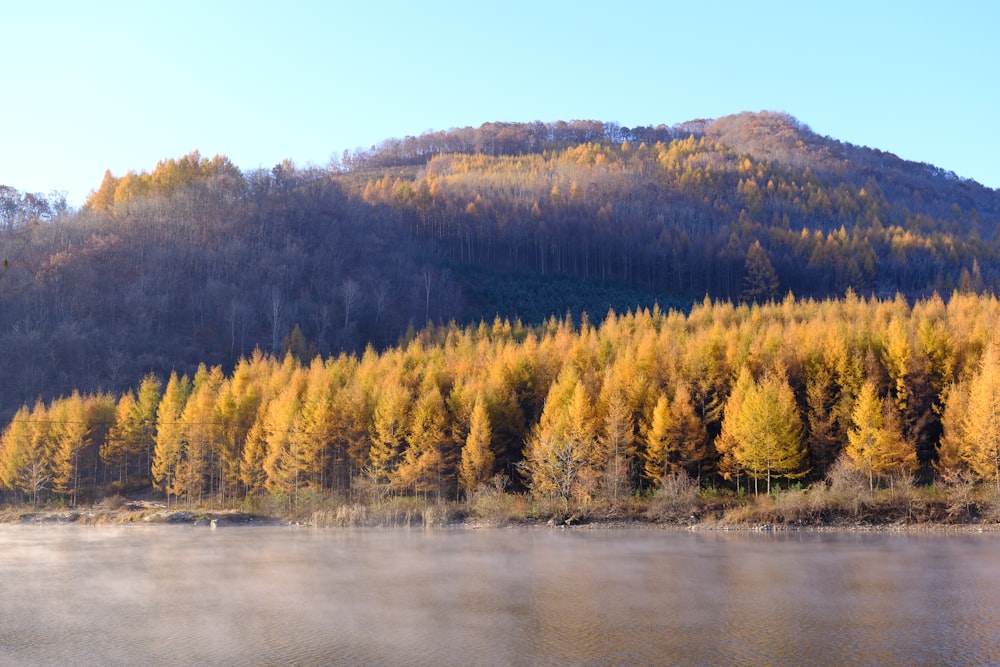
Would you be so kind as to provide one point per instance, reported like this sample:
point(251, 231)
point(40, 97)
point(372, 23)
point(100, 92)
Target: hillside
point(198, 261)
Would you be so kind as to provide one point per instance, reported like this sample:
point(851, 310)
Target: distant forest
point(199, 262)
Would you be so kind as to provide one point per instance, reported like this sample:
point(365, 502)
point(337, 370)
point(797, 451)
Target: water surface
point(170, 595)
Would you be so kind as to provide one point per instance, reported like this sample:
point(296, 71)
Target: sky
point(93, 86)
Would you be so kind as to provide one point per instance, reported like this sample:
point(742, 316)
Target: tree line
point(745, 396)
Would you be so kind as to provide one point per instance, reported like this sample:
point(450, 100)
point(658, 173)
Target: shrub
point(676, 501)
point(115, 502)
point(494, 507)
point(848, 491)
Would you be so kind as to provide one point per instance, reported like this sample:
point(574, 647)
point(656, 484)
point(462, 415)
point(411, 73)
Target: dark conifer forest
point(581, 238)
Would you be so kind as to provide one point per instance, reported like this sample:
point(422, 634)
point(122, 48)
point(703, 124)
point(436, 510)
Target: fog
point(169, 595)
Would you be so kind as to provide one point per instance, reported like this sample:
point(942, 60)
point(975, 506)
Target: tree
point(952, 444)
point(25, 463)
point(350, 440)
point(477, 456)
point(71, 431)
point(825, 433)
point(252, 460)
point(316, 425)
point(655, 455)
point(119, 449)
point(686, 446)
point(760, 279)
point(284, 461)
point(103, 199)
point(875, 441)
point(422, 467)
point(295, 344)
point(387, 432)
point(616, 444)
point(238, 400)
point(201, 430)
point(726, 443)
point(982, 420)
point(350, 290)
point(100, 409)
point(144, 422)
point(170, 434)
point(559, 447)
point(767, 430)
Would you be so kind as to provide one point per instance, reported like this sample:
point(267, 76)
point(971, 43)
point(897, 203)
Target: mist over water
point(171, 595)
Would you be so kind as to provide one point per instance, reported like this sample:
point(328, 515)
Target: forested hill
point(198, 261)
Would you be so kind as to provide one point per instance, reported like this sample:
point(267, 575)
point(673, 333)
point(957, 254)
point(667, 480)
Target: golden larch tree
point(875, 440)
point(558, 449)
point(25, 460)
point(201, 434)
point(477, 455)
point(654, 454)
point(952, 444)
point(767, 430)
point(388, 432)
point(120, 450)
point(982, 419)
point(170, 434)
point(422, 469)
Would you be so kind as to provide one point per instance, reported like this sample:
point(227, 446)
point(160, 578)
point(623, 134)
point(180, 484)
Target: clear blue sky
point(90, 86)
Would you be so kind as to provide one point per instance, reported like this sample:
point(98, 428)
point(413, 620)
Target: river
point(182, 595)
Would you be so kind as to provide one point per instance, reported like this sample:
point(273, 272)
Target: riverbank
point(788, 511)
point(92, 517)
point(135, 513)
point(847, 503)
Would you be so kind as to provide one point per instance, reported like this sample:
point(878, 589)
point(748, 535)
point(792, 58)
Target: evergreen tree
point(760, 279)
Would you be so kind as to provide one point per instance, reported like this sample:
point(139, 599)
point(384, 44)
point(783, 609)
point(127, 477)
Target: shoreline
point(153, 514)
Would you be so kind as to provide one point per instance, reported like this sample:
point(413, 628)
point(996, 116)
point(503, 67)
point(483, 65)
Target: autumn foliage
point(578, 412)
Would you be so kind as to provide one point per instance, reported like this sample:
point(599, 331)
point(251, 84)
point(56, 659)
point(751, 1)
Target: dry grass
point(843, 499)
point(493, 507)
point(399, 511)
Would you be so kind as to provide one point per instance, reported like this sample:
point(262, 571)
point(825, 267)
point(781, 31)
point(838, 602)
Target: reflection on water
point(173, 595)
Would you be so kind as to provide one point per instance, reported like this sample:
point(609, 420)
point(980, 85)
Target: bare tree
point(381, 296)
point(351, 291)
point(427, 292)
point(276, 307)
